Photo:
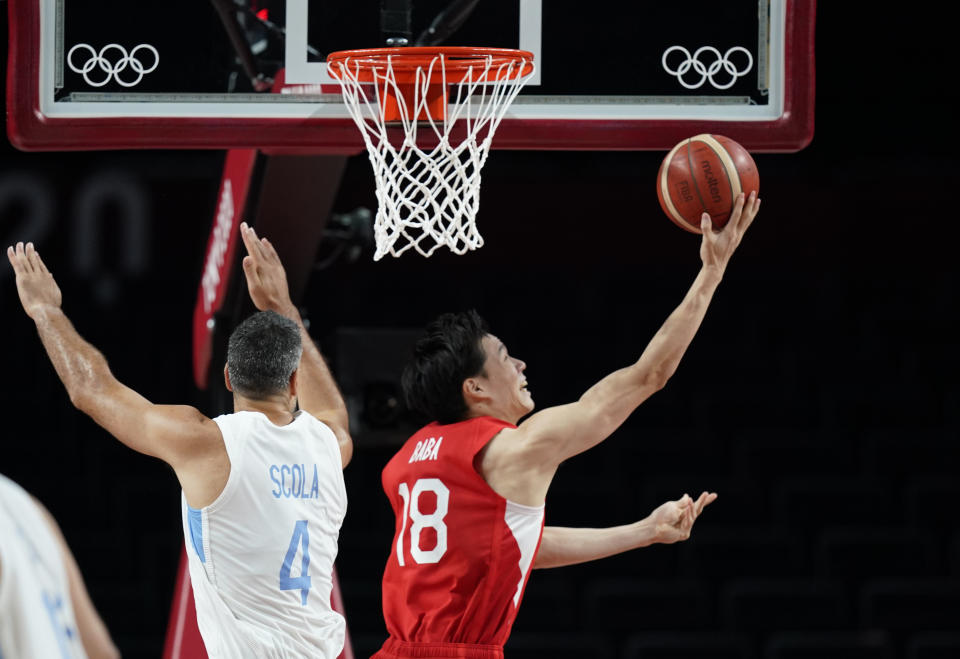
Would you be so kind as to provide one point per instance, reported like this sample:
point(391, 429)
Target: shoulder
point(210, 431)
point(414, 444)
point(17, 499)
point(328, 421)
point(480, 432)
point(330, 431)
point(48, 519)
point(504, 444)
point(513, 467)
point(465, 438)
point(320, 426)
point(9, 485)
point(180, 421)
point(235, 418)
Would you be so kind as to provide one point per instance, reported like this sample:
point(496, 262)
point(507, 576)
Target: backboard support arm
point(396, 22)
point(227, 10)
point(447, 22)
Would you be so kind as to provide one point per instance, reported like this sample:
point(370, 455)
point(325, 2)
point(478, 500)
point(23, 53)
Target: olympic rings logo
point(112, 70)
point(707, 70)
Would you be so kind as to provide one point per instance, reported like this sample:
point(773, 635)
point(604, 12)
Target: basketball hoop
point(428, 178)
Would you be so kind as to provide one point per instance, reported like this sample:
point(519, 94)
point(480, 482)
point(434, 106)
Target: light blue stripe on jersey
point(196, 532)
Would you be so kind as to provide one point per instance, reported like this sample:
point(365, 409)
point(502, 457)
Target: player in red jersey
point(468, 490)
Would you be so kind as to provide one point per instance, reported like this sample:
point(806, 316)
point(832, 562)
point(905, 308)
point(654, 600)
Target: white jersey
point(36, 614)
point(261, 556)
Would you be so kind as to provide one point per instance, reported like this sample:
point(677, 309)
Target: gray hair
point(262, 354)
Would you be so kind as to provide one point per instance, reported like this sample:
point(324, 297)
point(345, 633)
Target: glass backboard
point(218, 74)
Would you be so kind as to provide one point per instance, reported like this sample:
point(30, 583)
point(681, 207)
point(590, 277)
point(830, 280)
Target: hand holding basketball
point(705, 174)
point(718, 246)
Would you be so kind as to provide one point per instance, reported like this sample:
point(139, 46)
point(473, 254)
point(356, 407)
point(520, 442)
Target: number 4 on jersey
point(411, 505)
point(301, 539)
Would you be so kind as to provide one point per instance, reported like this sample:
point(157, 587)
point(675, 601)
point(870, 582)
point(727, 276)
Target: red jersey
point(461, 553)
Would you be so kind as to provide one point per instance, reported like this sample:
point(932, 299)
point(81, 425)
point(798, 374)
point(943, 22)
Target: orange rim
point(456, 58)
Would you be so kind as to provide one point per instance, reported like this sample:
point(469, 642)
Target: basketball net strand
point(430, 198)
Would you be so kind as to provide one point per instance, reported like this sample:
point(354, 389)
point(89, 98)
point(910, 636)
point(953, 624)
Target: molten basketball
point(705, 174)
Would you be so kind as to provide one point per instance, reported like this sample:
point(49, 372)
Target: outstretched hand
point(717, 247)
point(674, 519)
point(266, 278)
point(35, 285)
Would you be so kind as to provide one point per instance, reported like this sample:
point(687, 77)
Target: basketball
point(705, 173)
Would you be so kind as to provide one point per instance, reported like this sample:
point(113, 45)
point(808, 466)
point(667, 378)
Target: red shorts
point(394, 649)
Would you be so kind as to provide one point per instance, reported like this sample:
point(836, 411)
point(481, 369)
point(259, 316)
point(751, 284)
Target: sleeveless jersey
point(261, 555)
point(461, 553)
point(36, 613)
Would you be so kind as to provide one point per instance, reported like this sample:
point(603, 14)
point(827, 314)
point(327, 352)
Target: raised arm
point(670, 522)
point(177, 434)
point(317, 392)
point(553, 435)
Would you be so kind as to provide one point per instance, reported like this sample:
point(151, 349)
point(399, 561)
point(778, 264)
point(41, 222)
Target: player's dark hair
point(450, 351)
point(262, 354)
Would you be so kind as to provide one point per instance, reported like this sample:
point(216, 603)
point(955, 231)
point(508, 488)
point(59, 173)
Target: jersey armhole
point(474, 462)
point(329, 437)
point(235, 449)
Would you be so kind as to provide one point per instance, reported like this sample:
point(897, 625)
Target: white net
point(429, 197)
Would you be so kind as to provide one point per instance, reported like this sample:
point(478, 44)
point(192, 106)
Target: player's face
point(505, 379)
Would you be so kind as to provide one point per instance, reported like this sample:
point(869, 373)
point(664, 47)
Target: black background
point(819, 399)
point(615, 52)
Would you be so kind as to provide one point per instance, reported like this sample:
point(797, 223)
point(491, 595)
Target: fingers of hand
point(250, 240)
point(752, 209)
point(738, 207)
point(261, 248)
point(706, 224)
point(29, 257)
point(35, 261)
point(41, 266)
point(24, 259)
point(245, 235)
point(269, 251)
point(701, 501)
point(683, 508)
point(250, 267)
point(21, 253)
point(257, 242)
point(14, 260)
point(704, 500)
point(252, 272)
point(685, 523)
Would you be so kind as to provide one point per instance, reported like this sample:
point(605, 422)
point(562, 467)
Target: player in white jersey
point(263, 495)
point(45, 610)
